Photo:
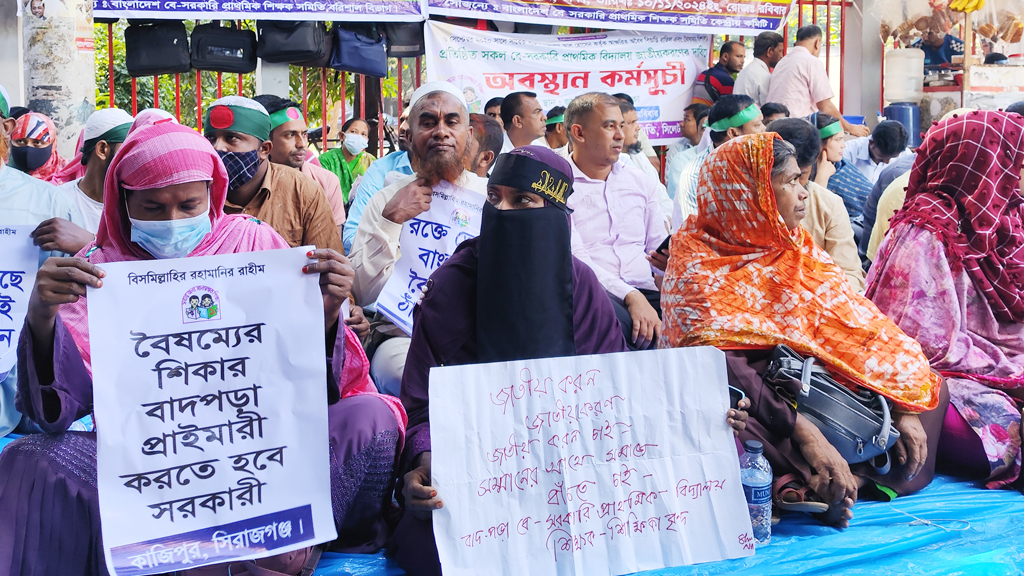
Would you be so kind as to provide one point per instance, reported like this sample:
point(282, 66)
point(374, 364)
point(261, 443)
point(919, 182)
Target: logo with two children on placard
point(200, 304)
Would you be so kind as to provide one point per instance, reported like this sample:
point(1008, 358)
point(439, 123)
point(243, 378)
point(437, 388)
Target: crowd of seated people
point(757, 234)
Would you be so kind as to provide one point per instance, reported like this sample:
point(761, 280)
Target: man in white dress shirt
point(753, 80)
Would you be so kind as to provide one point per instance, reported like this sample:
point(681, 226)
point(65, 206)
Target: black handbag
point(219, 49)
point(405, 39)
point(291, 42)
point(359, 48)
point(155, 47)
point(857, 424)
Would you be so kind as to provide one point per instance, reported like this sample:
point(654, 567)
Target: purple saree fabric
point(913, 283)
point(445, 334)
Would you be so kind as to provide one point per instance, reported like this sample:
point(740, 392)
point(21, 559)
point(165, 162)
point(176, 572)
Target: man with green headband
point(732, 115)
point(287, 200)
point(104, 132)
point(555, 136)
point(291, 148)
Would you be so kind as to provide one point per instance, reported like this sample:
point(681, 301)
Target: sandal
point(793, 495)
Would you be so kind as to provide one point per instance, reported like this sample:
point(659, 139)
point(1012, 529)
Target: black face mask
point(525, 285)
point(29, 158)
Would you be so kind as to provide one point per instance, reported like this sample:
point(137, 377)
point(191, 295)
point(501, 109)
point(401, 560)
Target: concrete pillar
point(273, 79)
point(60, 72)
point(870, 55)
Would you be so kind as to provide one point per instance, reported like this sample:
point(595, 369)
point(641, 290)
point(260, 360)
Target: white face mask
point(355, 143)
point(171, 238)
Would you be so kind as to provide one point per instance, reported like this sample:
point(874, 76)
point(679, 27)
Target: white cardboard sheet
point(587, 465)
point(211, 410)
point(427, 241)
point(17, 276)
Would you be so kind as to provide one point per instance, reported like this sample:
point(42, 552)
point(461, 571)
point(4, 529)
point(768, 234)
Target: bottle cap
point(753, 446)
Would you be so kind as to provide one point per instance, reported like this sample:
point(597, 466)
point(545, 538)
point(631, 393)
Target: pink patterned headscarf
point(165, 154)
point(965, 187)
point(40, 127)
point(74, 169)
point(154, 157)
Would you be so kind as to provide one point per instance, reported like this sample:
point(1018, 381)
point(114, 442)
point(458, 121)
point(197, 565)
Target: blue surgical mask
point(355, 143)
point(171, 238)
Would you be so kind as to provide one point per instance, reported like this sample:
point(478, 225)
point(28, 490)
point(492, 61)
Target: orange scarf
point(739, 278)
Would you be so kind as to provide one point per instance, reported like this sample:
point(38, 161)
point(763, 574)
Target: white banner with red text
point(657, 69)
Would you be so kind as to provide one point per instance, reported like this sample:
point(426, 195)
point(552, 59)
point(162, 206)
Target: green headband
point(284, 115)
point(115, 135)
point(556, 119)
point(831, 130)
point(237, 119)
point(5, 107)
point(736, 120)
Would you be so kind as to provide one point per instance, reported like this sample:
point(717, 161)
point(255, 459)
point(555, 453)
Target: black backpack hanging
point(218, 49)
point(359, 47)
point(291, 42)
point(155, 47)
point(405, 39)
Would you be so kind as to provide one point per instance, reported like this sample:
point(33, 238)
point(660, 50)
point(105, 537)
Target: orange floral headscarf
point(739, 278)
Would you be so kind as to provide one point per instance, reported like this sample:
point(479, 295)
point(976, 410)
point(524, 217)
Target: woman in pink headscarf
point(950, 272)
point(34, 147)
point(48, 499)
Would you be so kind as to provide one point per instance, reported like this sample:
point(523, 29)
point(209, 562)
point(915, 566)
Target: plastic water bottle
point(756, 476)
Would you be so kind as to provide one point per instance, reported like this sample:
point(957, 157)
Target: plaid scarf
point(965, 187)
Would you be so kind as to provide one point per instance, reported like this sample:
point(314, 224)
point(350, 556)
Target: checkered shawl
point(965, 187)
point(739, 278)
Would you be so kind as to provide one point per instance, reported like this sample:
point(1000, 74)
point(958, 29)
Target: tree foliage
point(229, 83)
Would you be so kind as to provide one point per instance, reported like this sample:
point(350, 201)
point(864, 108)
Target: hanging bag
point(291, 42)
point(857, 424)
point(155, 47)
point(405, 39)
point(360, 48)
point(219, 49)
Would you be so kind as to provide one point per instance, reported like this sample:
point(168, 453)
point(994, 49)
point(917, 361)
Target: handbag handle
point(881, 440)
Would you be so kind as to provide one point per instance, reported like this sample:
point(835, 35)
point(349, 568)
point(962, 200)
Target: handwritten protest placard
point(589, 465)
point(427, 241)
point(17, 276)
point(657, 68)
point(211, 410)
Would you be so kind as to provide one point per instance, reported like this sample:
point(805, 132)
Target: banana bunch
point(966, 5)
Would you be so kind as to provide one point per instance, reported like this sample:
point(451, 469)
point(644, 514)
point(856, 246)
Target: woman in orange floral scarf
point(744, 277)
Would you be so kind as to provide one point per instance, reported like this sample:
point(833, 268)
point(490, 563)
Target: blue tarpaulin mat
point(951, 528)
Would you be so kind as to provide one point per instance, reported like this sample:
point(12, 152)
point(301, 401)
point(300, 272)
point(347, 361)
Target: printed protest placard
point(657, 68)
point(588, 465)
point(17, 276)
point(210, 395)
point(427, 241)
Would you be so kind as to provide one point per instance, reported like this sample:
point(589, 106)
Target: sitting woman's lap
point(50, 509)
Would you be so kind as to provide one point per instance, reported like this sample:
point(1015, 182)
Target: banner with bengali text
point(213, 442)
point(598, 465)
point(329, 10)
point(749, 17)
point(657, 69)
point(17, 276)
